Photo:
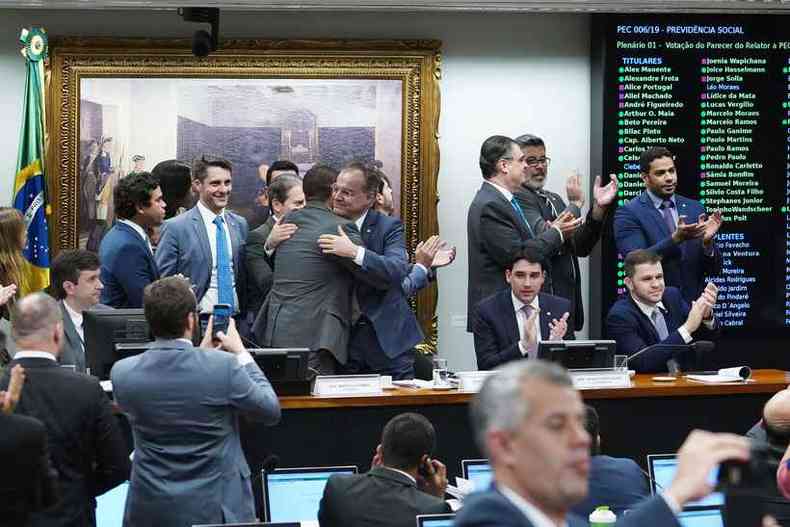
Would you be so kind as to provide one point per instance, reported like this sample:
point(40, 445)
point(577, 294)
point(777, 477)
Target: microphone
point(702, 346)
point(270, 462)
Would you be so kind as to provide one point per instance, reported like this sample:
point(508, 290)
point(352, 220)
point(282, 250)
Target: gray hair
point(500, 405)
point(34, 317)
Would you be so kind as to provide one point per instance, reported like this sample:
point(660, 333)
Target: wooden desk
point(762, 382)
point(649, 417)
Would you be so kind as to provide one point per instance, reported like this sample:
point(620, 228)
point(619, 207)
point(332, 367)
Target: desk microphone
point(269, 464)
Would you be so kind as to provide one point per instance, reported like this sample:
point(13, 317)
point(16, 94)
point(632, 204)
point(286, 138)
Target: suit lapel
point(652, 212)
point(144, 246)
point(234, 231)
point(199, 229)
point(545, 316)
point(368, 226)
point(69, 330)
point(518, 221)
point(644, 320)
point(509, 317)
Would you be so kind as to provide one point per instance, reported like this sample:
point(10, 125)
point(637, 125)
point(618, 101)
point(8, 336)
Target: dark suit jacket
point(496, 331)
point(184, 248)
point(73, 351)
point(616, 482)
point(258, 267)
point(127, 266)
point(565, 279)
point(86, 445)
point(639, 225)
point(381, 497)
point(26, 482)
point(386, 259)
point(496, 233)
point(633, 331)
point(492, 509)
point(309, 305)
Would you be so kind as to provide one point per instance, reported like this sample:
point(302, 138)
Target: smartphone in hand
point(221, 320)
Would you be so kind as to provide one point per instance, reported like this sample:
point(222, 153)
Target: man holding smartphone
point(183, 404)
point(403, 481)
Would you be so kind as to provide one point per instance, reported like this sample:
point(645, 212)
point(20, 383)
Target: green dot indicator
point(701, 192)
point(703, 114)
point(701, 183)
point(784, 209)
point(619, 282)
point(620, 265)
point(703, 140)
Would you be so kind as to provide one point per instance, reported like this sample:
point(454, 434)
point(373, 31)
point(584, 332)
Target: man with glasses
point(542, 207)
point(497, 227)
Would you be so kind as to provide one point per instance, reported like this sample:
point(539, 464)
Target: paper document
point(713, 379)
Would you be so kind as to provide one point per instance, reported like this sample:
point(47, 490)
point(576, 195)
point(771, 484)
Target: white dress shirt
point(76, 319)
point(211, 297)
point(139, 230)
point(521, 320)
point(34, 355)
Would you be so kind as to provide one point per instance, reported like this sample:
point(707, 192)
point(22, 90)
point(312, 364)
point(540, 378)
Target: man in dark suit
point(403, 481)
point(87, 448)
point(75, 283)
point(206, 243)
point(508, 325)
point(654, 314)
point(26, 482)
point(616, 482)
point(496, 226)
point(127, 260)
point(310, 302)
point(675, 227)
point(385, 330)
point(542, 206)
point(184, 404)
point(285, 195)
point(529, 419)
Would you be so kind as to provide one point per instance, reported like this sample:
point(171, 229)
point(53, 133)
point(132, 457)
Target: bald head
point(776, 413)
point(38, 323)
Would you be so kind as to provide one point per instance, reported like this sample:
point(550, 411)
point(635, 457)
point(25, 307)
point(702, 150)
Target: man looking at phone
point(675, 227)
point(183, 404)
point(403, 481)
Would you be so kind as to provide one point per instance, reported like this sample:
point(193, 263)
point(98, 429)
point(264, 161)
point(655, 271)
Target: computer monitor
point(110, 506)
point(662, 468)
point(711, 517)
point(111, 335)
point(294, 494)
point(578, 354)
point(435, 520)
point(478, 471)
point(286, 369)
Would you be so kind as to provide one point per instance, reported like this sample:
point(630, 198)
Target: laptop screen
point(662, 469)
point(701, 518)
point(478, 471)
point(294, 494)
point(110, 506)
point(435, 520)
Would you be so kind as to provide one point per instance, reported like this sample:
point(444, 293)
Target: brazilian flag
point(30, 197)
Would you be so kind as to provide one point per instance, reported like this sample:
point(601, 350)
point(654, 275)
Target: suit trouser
point(366, 356)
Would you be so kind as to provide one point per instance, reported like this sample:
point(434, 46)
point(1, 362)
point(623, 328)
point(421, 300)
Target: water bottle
point(602, 517)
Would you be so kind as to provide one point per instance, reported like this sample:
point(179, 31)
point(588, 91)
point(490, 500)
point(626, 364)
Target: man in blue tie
point(496, 226)
point(206, 243)
point(652, 313)
point(675, 227)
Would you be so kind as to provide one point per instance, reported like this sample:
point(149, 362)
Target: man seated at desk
point(508, 325)
point(652, 313)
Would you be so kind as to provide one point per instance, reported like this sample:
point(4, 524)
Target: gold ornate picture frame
point(253, 101)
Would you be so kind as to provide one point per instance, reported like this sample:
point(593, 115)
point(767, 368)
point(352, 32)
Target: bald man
point(774, 427)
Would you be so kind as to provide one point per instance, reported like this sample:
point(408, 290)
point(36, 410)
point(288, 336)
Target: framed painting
point(122, 105)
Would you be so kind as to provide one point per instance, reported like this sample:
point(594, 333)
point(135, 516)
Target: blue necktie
point(224, 271)
point(520, 213)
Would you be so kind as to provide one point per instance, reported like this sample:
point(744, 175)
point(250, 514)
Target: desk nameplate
point(346, 385)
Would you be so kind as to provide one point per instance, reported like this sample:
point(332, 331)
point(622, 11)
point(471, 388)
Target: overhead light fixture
point(203, 42)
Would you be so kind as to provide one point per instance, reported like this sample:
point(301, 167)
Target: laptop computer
point(435, 520)
point(662, 468)
point(711, 517)
point(294, 494)
point(478, 471)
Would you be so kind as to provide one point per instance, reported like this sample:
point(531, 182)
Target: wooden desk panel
point(763, 381)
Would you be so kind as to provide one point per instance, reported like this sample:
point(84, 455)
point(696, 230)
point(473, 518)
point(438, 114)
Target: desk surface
point(763, 381)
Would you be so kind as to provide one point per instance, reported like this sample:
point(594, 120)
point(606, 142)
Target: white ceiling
point(610, 6)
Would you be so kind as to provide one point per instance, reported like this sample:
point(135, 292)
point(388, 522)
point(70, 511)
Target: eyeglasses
point(535, 161)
